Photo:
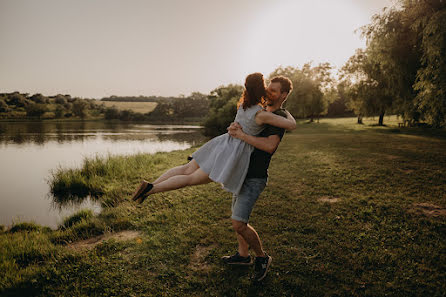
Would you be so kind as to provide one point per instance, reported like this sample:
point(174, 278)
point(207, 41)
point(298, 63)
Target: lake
point(30, 150)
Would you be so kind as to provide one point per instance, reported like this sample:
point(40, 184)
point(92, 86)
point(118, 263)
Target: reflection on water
point(29, 150)
point(63, 132)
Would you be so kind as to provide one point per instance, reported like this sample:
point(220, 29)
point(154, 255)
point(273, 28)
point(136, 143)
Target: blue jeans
point(243, 203)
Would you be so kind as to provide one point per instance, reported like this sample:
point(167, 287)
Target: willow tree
point(408, 44)
point(367, 92)
point(431, 77)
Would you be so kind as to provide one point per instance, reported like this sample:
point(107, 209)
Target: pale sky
point(97, 48)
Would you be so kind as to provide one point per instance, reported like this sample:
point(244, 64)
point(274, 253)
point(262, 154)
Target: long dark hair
point(255, 91)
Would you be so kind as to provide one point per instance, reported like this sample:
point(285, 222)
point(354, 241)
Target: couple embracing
point(239, 161)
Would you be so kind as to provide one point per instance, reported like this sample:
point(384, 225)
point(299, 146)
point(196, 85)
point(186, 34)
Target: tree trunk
point(311, 119)
point(381, 119)
point(359, 119)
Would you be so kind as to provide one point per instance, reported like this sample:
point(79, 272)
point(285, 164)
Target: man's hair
point(285, 83)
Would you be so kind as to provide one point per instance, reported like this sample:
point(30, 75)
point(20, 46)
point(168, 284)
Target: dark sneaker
point(237, 260)
point(261, 267)
point(143, 194)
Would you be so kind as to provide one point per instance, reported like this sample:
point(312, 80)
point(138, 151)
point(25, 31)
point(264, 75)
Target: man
point(265, 144)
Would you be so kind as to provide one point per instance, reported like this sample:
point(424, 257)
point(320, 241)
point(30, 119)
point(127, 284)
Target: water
point(30, 150)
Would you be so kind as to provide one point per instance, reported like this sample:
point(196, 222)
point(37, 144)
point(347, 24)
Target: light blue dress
point(225, 158)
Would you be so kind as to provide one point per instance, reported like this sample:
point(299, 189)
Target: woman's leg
point(198, 177)
point(186, 169)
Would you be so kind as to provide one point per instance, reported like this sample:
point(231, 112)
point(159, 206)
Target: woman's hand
point(236, 131)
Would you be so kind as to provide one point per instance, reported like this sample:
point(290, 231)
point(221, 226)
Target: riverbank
point(348, 210)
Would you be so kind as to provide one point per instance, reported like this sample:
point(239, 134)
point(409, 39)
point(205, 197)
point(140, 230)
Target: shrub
point(36, 110)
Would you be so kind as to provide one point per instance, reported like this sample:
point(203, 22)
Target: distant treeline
point(168, 109)
point(18, 105)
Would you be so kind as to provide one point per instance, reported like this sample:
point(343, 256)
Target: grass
point(339, 217)
point(141, 107)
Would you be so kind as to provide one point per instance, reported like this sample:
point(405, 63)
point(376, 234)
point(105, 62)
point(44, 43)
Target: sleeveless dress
point(225, 158)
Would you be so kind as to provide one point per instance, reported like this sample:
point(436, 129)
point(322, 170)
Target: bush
point(111, 113)
point(36, 110)
point(39, 98)
point(3, 106)
point(60, 99)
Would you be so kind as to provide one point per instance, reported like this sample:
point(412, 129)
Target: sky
point(99, 48)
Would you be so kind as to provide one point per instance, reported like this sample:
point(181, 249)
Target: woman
point(223, 159)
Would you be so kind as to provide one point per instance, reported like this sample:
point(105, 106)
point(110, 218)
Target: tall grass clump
point(110, 178)
point(84, 214)
point(27, 227)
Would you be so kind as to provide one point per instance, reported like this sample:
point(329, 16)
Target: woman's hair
point(254, 92)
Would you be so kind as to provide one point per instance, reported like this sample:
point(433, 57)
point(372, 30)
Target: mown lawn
point(348, 211)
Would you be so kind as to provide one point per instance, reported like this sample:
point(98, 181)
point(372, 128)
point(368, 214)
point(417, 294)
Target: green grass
point(371, 242)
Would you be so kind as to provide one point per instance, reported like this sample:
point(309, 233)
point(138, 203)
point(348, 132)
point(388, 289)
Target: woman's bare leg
point(198, 177)
point(186, 169)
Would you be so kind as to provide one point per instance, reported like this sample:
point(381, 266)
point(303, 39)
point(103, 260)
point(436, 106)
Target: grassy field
point(141, 107)
point(349, 210)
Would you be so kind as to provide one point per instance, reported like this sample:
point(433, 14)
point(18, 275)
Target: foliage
point(311, 89)
point(36, 110)
point(194, 106)
point(402, 69)
point(431, 77)
point(3, 106)
point(222, 109)
point(80, 108)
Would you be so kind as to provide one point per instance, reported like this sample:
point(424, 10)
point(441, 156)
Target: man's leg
point(243, 246)
point(247, 237)
point(242, 205)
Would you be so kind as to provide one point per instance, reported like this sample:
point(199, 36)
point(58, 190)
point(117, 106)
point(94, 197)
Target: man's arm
point(268, 144)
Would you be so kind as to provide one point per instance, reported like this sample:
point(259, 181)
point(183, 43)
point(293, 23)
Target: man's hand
point(235, 130)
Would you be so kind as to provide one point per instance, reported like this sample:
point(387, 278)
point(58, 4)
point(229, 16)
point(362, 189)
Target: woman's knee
point(190, 167)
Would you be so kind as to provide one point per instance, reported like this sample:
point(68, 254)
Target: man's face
point(273, 92)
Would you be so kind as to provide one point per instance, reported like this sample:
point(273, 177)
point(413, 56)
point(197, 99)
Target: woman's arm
point(266, 117)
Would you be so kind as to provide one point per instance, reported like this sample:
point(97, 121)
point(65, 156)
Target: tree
point(39, 98)
point(60, 99)
point(431, 77)
point(35, 110)
point(80, 108)
point(311, 86)
point(367, 90)
point(17, 99)
point(3, 106)
point(111, 113)
point(407, 48)
point(59, 112)
point(222, 109)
